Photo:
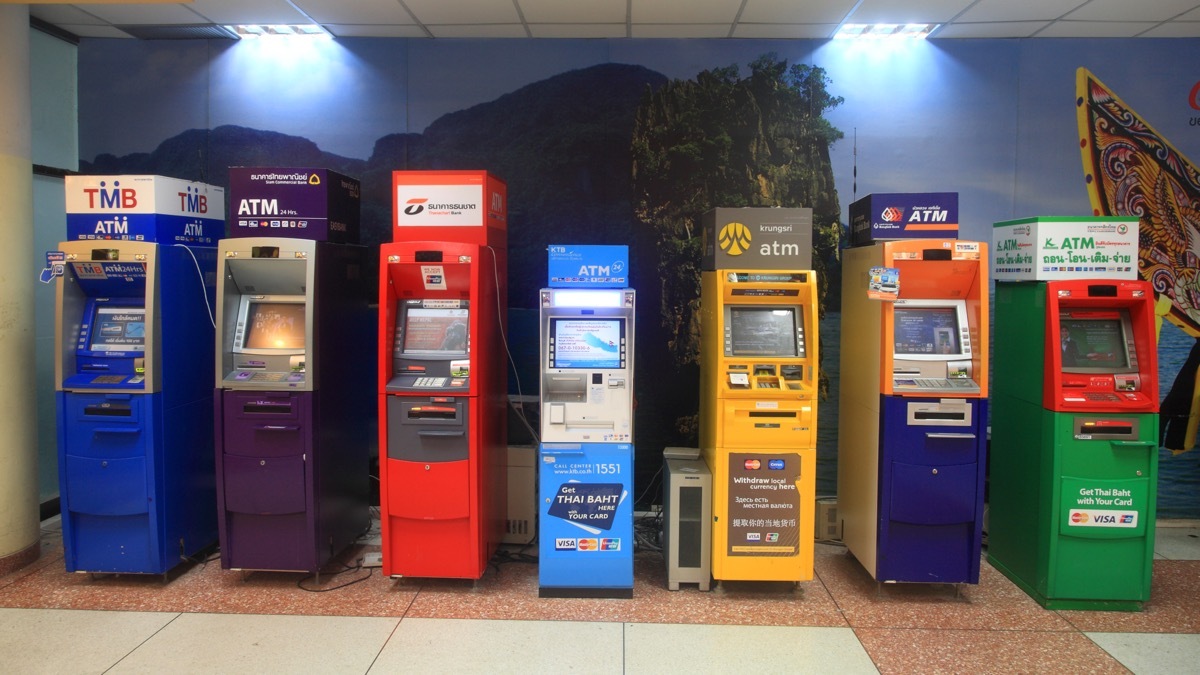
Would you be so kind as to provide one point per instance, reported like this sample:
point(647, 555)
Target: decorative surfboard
point(1132, 170)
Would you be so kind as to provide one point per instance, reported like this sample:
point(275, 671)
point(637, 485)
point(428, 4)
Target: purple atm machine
point(294, 401)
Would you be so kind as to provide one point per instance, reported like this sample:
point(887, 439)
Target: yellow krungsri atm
point(758, 400)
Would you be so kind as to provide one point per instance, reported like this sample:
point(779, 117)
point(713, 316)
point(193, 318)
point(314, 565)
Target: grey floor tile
point(1177, 542)
point(1152, 653)
point(474, 646)
point(252, 643)
point(72, 641)
point(672, 648)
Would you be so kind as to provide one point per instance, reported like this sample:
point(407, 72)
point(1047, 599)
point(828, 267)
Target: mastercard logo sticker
point(1079, 517)
point(752, 464)
point(588, 545)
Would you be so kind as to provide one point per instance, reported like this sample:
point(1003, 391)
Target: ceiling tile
point(908, 11)
point(1125, 10)
point(1095, 29)
point(577, 30)
point(990, 29)
point(680, 11)
point(790, 11)
point(680, 30)
point(784, 31)
point(61, 15)
point(91, 31)
point(360, 12)
point(1175, 29)
point(470, 12)
point(248, 11)
point(148, 14)
point(574, 11)
point(1018, 10)
point(375, 30)
point(510, 30)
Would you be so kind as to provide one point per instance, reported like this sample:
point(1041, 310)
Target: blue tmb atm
point(135, 438)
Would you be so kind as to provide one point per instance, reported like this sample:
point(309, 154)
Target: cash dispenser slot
point(565, 389)
point(428, 430)
point(284, 408)
point(108, 409)
point(434, 412)
point(1101, 428)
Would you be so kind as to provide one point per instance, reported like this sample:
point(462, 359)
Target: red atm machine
point(442, 383)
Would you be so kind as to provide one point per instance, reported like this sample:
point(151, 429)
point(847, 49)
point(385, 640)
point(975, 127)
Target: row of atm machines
point(157, 464)
point(1074, 424)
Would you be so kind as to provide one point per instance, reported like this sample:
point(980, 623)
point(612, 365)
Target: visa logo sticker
point(753, 536)
point(564, 544)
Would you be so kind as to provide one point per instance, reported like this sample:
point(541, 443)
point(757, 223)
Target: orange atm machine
point(912, 433)
point(442, 366)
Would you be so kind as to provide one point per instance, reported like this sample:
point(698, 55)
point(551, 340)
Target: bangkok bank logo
point(734, 238)
point(892, 214)
point(415, 205)
point(1194, 97)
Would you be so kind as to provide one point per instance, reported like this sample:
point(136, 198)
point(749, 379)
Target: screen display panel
point(588, 343)
point(429, 330)
point(274, 325)
point(763, 331)
point(118, 329)
point(1093, 344)
point(926, 331)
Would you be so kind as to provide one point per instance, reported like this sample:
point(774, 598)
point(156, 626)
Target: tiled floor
point(210, 620)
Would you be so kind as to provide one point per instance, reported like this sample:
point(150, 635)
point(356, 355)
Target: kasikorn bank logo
point(734, 238)
point(415, 206)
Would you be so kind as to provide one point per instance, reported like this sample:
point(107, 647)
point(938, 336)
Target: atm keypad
point(430, 382)
point(108, 379)
point(1100, 396)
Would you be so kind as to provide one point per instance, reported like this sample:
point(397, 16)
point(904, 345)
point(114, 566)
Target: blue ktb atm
point(135, 442)
point(585, 528)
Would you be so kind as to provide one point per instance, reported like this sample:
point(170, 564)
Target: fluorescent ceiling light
point(255, 31)
point(878, 31)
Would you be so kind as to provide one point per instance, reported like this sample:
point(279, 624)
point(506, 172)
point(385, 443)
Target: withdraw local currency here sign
point(1047, 249)
point(1098, 505)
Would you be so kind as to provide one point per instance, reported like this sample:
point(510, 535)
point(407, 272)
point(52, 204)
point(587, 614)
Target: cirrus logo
point(415, 205)
point(734, 238)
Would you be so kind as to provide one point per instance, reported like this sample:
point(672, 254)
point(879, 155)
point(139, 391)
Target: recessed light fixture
point(280, 30)
point(880, 31)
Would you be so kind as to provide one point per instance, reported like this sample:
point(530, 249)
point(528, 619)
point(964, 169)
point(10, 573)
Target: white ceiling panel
point(994, 29)
point(1018, 10)
point(467, 12)
point(784, 31)
point(574, 11)
point(679, 30)
point(678, 11)
point(554, 19)
point(146, 14)
point(577, 30)
point(508, 30)
point(908, 11)
point(89, 31)
point(1130, 10)
point(1095, 29)
point(791, 11)
point(360, 12)
point(243, 12)
point(375, 30)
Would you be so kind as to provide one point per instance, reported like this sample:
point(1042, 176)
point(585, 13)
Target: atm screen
point(926, 331)
point(1093, 344)
point(763, 331)
point(118, 329)
point(587, 343)
point(430, 330)
point(274, 325)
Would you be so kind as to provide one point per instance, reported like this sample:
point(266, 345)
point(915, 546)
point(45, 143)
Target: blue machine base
point(585, 525)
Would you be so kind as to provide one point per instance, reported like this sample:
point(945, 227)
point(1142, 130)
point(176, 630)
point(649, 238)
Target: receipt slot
point(586, 456)
point(1074, 466)
point(758, 420)
point(292, 413)
point(134, 413)
point(912, 421)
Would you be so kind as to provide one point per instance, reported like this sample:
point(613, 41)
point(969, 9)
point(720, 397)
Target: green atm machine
point(1074, 457)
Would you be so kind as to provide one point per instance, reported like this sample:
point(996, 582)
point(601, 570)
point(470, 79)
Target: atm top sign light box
point(904, 215)
point(458, 206)
point(588, 266)
point(300, 203)
point(757, 238)
point(1052, 249)
point(144, 208)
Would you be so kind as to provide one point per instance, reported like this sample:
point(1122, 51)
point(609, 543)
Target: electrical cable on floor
point(349, 568)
